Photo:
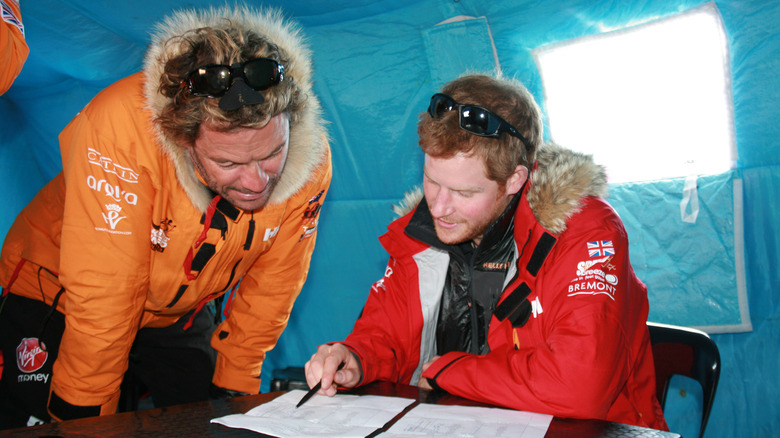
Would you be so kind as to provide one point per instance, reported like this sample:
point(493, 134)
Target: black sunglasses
point(474, 119)
point(215, 79)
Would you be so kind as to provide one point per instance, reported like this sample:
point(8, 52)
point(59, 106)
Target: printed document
point(342, 415)
point(347, 415)
point(427, 420)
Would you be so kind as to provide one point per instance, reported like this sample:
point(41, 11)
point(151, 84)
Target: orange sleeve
point(104, 253)
point(13, 47)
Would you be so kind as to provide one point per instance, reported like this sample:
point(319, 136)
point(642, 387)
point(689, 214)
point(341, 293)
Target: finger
point(329, 369)
point(313, 369)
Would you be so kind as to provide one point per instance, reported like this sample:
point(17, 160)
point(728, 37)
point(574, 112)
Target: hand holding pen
point(333, 365)
point(314, 389)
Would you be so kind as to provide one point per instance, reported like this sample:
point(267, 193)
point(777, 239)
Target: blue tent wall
point(374, 76)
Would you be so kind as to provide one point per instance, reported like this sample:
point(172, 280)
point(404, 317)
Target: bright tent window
point(649, 102)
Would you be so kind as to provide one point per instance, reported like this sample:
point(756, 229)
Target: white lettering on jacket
point(39, 377)
point(108, 165)
point(594, 281)
point(381, 283)
point(270, 233)
point(114, 192)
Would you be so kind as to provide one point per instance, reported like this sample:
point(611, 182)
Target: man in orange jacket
point(207, 169)
point(13, 47)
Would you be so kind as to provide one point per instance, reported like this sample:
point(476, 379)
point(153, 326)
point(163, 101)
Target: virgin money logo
point(30, 356)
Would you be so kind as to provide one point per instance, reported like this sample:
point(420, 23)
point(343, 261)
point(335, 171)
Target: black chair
point(687, 352)
point(288, 378)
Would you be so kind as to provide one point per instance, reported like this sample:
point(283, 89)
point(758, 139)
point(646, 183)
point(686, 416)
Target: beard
point(469, 230)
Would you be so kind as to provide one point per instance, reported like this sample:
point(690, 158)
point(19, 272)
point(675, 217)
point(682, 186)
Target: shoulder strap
point(516, 306)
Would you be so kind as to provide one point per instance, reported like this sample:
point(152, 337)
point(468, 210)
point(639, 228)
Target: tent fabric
point(694, 271)
point(376, 65)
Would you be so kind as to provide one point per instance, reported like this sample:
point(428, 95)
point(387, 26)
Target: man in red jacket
point(510, 283)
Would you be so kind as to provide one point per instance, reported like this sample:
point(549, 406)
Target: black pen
point(316, 388)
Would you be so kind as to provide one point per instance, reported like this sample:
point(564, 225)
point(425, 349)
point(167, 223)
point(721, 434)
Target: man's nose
point(440, 204)
point(254, 178)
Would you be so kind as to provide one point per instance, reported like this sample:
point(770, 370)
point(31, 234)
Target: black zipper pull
point(250, 234)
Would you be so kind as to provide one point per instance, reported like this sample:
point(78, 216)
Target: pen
point(316, 388)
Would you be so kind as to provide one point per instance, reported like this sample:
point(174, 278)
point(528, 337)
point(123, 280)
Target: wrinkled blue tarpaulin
point(376, 64)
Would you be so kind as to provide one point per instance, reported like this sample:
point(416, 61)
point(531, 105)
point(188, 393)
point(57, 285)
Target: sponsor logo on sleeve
point(30, 357)
point(381, 283)
point(112, 191)
point(308, 230)
point(159, 237)
point(310, 216)
point(112, 216)
point(108, 165)
point(593, 277)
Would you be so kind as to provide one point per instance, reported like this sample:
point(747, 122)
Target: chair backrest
point(687, 352)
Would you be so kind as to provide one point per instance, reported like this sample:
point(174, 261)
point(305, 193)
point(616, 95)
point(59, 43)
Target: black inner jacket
point(475, 279)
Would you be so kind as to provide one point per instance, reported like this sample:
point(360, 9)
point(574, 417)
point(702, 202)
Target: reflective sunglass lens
point(262, 73)
point(478, 121)
point(440, 104)
point(210, 81)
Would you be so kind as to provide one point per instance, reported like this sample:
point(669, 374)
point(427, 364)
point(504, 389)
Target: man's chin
point(451, 237)
point(247, 204)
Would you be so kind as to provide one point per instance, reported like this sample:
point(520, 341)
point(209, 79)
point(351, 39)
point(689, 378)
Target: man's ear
point(515, 181)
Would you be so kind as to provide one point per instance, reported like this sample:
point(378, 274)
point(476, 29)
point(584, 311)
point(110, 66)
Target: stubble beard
point(473, 231)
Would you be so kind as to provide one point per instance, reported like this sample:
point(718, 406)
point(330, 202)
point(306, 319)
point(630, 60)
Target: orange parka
point(135, 239)
point(13, 47)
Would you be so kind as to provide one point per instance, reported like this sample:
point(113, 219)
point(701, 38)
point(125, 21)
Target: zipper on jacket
point(250, 233)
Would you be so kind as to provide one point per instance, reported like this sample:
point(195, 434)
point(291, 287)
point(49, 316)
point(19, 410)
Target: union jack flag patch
point(600, 248)
point(8, 16)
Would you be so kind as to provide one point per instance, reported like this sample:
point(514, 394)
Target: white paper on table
point(339, 416)
point(468, 421)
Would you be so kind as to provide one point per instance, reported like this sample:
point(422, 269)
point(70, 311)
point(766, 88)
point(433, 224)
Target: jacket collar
point(497, 235)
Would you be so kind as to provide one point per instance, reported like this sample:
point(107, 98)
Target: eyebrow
point(275, 151)
point(454, 189)
point(270, 154)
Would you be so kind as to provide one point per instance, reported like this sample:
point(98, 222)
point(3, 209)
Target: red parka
point(584, 351)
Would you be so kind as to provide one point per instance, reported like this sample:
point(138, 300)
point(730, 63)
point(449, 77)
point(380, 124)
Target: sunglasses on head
point(473, 119)
point(214, 80)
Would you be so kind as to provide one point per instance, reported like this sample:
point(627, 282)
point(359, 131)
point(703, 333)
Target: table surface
point(193, 420)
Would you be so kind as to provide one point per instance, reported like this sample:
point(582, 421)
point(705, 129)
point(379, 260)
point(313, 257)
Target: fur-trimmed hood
point(308, 141)
point(558, 184)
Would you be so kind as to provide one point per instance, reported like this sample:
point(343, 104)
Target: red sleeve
point(386, 337)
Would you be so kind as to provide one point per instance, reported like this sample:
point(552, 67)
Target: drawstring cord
point(48, 316)
point(206, 225)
